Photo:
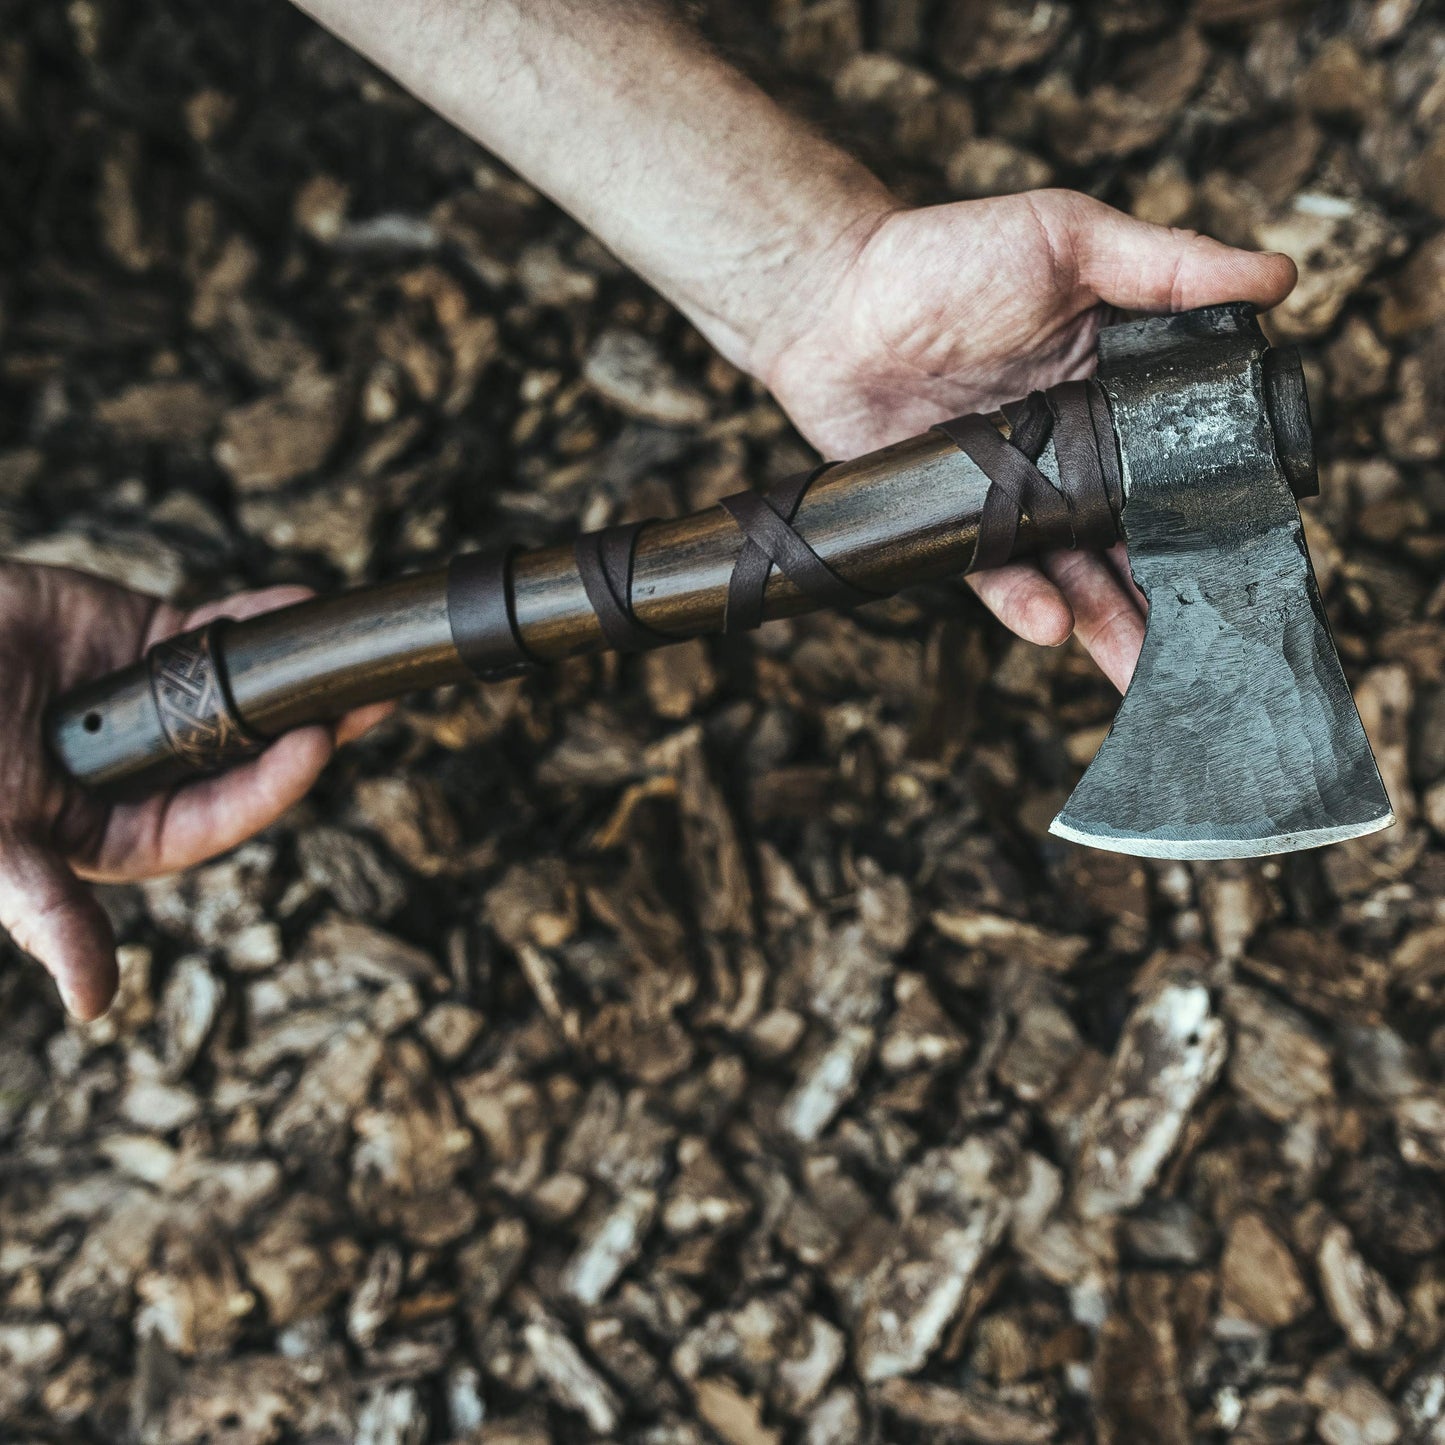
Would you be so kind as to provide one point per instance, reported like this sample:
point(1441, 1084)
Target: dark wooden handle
point(901, 516)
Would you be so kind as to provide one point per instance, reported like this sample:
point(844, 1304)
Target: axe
point(1237, 737)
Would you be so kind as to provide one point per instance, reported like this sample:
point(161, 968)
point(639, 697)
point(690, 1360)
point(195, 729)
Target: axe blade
point(1238, 736)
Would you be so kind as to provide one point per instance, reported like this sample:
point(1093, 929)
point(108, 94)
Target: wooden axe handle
point(201, 702)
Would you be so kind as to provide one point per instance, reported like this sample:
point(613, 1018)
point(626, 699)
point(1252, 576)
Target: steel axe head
point(1238, 736)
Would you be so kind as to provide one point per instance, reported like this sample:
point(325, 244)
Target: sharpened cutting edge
point(1202, 849)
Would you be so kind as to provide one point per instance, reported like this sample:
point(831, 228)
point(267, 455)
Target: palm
point(59, 628)
point(961, 308)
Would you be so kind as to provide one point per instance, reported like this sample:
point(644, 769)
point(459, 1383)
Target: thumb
point(55, 918)
point(1142, 267)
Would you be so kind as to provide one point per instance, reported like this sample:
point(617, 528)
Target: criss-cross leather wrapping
point(1081, 510)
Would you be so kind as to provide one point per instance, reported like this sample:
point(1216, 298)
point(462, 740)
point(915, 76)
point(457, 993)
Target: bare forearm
point(619, 112)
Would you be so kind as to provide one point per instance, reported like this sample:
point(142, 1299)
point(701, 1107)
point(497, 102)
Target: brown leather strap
point(479, 608)
point(749, 581)
point(1009, 465)
point(1108, 449)
point(605, 561)
point(1085, 467)
point(1083, 510)
point(766, 520)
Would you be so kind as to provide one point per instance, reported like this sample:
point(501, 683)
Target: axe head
point(1238, 736)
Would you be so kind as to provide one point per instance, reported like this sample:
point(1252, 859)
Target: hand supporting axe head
point(1237, 736)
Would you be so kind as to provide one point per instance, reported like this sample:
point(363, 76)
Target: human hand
point(59, 628)
point(937, 312)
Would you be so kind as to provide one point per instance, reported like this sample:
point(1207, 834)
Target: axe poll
point(1237, 737)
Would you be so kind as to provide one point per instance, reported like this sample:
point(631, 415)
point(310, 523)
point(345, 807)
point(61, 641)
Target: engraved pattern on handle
point(200, 722)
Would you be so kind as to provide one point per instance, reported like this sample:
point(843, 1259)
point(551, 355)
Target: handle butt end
point(163, 720)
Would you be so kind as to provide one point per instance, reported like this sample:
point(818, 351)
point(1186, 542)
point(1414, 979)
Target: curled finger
point(1026, 602)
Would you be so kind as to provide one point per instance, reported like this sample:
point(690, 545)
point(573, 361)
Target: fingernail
point(76, 1005)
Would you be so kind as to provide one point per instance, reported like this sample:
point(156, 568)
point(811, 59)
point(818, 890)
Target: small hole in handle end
point(93, 722)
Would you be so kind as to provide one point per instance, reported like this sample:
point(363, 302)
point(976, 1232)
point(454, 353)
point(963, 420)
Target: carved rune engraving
point(194, 711)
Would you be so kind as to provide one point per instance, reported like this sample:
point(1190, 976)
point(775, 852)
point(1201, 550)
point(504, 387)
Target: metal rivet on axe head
point(1238, 736)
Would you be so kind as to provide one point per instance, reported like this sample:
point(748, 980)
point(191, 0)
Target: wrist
point(781, 286)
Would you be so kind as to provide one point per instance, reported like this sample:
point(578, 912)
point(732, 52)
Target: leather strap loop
point(1107, 446)
point(766, 520)
point(1082, 473)
point(605, 561)
point(1083, 510)
point(480, 611)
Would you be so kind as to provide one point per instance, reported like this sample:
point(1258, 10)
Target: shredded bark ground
point(710, 1046)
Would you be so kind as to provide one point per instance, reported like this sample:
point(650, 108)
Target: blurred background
point(710, 1046)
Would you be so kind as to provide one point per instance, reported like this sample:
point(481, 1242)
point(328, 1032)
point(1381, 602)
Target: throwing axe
point(1237, 737)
